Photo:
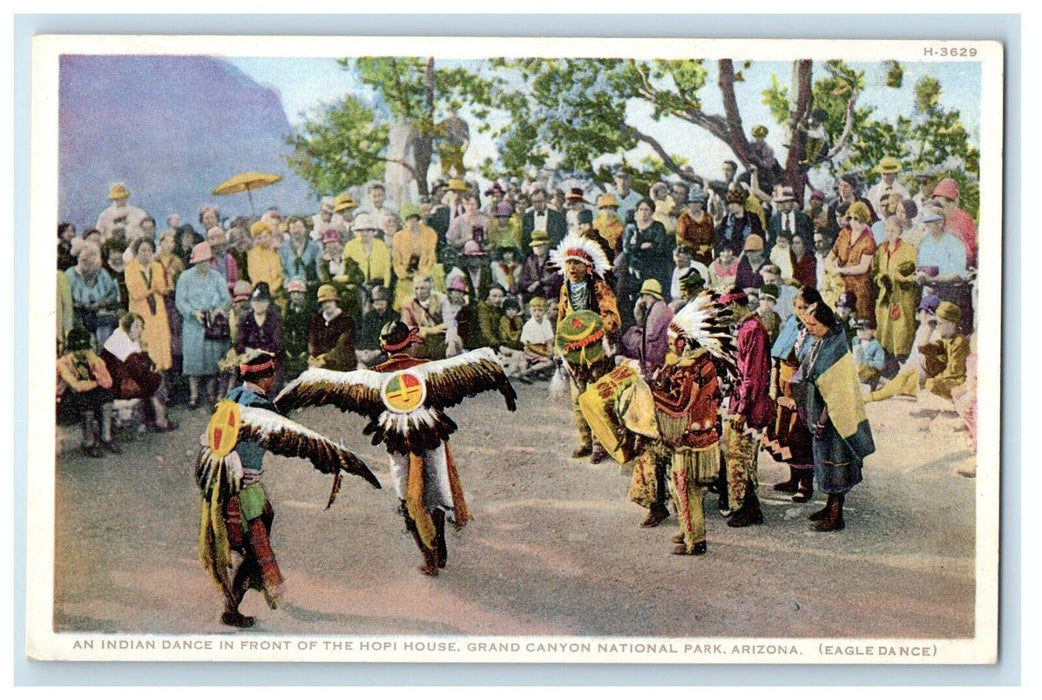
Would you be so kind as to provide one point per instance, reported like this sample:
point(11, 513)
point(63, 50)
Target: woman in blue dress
point(201, 292)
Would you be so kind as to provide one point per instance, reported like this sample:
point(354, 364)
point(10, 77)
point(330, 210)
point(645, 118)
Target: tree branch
point(667, 160)
point(848, 126)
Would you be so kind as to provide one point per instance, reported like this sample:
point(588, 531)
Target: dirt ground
point(554, 547)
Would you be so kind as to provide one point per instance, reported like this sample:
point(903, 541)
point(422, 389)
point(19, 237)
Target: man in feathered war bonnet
point(584, 264)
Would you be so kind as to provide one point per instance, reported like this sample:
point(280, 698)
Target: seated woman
point(134, 374)
point(331, 334)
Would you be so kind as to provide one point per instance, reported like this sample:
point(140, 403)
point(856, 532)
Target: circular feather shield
point(223, 431)
point(403, 392)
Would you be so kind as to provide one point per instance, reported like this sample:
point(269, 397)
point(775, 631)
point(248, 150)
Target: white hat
point(363, 221)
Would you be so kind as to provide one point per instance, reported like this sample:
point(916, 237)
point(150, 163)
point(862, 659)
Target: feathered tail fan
point(708, 323)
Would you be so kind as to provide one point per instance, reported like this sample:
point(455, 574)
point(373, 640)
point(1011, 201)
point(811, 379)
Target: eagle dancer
point(236, 514)
point(404, 399)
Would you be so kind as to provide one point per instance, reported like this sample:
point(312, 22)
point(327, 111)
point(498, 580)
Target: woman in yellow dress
point(412, 253)
point(146, 287)
point(898, 299)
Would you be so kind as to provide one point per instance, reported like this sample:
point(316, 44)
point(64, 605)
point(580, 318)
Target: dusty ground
point(554, 547)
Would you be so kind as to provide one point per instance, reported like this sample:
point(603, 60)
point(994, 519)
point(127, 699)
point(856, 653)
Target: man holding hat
point(327, 218)
point(539, 277)
point(426, 313)
point(749, 410)
point(120, 220)
point(331, 334)
point(648, 341)
point(879, 193)
point(683, 265)
point(695, 227)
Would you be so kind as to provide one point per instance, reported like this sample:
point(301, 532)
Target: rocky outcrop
point(171, 128)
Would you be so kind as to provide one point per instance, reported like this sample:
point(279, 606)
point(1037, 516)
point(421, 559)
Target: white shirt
point(533, 333)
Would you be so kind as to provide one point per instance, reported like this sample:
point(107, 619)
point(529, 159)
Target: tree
point(346, 144)
point(577, 109)
point(932, 140)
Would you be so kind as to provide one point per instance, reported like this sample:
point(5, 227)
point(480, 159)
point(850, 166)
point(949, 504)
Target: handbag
point(216, 326)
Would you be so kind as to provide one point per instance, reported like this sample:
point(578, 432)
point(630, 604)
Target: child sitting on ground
point(868, 354)
point(511, 352)
point(538, 339)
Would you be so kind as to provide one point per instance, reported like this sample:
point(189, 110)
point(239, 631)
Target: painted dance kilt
point(617, 407)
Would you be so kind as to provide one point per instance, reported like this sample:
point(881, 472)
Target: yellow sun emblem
point(223, 431)
point(403, 392)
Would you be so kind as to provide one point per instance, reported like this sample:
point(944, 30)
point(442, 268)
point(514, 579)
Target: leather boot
point(656, 515)
point(430, 560)
point(790, 485)
point(806, 489)
point(833, 520)
point(106, 430)
point(749, 513)
point(441, 551)
point(89, 447)
point(820, 514)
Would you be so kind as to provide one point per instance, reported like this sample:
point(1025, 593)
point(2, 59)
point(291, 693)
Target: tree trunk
point(795, 175)
point(736, 137)
point(424, 144)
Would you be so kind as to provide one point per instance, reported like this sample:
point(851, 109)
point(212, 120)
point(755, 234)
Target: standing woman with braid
point(829, 401)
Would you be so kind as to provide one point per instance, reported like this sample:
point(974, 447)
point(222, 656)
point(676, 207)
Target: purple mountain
point(171, 128)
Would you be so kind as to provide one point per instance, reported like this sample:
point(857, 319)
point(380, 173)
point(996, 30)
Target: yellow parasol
point(246, 182)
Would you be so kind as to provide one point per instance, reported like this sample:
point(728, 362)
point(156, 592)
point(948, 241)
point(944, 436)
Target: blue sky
point(304, 83)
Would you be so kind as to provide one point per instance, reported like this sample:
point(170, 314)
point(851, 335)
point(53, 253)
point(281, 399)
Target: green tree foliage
point(346, 143)
point(340, 145)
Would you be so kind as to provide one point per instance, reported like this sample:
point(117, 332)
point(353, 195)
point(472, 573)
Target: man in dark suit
point(788, 220)
point(542, 218)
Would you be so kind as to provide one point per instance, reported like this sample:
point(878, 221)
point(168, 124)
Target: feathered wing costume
point(406, 408)
point(219, 471)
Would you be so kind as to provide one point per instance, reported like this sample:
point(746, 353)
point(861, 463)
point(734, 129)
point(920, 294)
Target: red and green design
point(404, 392)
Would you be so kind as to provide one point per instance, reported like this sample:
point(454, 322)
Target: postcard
point(399, 349)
